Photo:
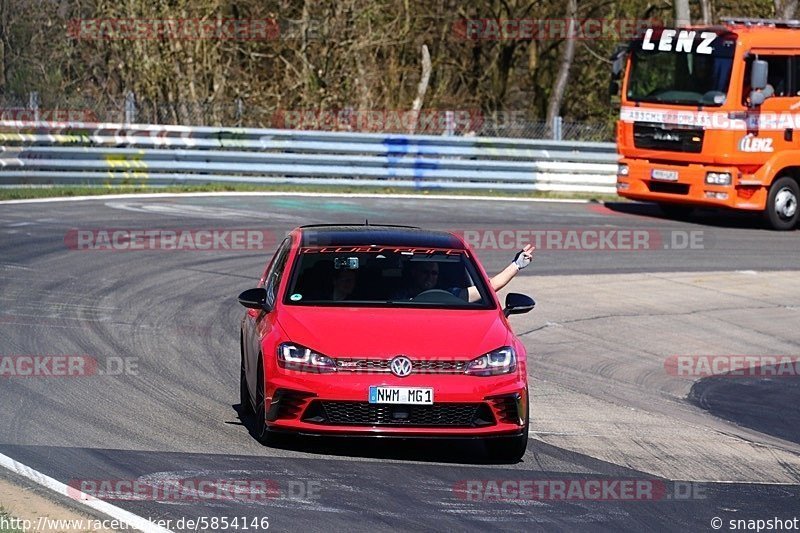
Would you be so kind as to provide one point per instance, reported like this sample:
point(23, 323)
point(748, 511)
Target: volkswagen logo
point(400, 366)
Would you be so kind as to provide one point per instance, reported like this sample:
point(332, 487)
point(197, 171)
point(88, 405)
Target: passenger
point(424, 276)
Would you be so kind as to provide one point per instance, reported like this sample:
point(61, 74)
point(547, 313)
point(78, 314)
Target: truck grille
point(668, 188)
point(369, 414)
point(670, 139)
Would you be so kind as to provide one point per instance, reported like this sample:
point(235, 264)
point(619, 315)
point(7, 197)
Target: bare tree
point(682, 16)
point(785, 9)
point(422, 88)
point(567, 56)
point(707, 11)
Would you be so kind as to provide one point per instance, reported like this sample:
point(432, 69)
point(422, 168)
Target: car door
point(258, 323)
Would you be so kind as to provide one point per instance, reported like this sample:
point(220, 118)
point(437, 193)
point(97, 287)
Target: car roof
point(382, 234)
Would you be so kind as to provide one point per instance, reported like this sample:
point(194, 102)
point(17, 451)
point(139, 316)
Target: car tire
point(260, 412)
point(782, 211)
point(508, 449)
point(676, 211)
point(244, 390)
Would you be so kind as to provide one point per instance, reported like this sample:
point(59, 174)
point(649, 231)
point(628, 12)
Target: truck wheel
point(782, 211)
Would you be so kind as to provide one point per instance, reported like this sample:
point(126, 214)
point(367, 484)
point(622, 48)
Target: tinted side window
point(796, 75)
point(779, 76)
point(275, 274)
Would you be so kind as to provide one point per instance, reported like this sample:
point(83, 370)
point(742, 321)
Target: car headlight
point(500, 361)
point(718, 178)
point(295, 357)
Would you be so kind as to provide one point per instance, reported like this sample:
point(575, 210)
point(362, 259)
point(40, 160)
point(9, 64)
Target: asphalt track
point(176, 313)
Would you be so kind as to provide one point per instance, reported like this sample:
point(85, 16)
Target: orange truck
point(710, 116)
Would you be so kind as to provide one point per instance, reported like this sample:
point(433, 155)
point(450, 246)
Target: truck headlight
point(623, 170)
point(718, 178)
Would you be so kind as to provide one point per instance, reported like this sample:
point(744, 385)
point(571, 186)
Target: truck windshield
point(681, 77)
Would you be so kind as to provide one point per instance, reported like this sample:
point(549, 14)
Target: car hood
point(384, 333)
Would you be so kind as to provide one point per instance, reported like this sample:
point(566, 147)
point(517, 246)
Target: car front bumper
point(337, 403)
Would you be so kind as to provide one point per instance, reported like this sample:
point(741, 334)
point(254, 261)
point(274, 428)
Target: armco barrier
point(78, 153)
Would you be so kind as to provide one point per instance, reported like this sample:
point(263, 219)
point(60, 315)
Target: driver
point(424, 276)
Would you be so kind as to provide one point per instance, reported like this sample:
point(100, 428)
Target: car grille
point(658, 137)
point(417, 367)
point(369, 414)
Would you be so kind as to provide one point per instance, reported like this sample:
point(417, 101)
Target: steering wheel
point(437, 296)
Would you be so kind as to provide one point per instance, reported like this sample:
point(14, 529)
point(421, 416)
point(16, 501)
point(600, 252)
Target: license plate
point(401, 395)
point(665, 175)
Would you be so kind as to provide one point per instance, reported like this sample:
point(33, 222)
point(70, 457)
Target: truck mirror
point(618, 61)
point(758, 74)
point(617, 66)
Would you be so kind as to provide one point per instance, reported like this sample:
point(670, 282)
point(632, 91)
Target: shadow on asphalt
point(721, 218)
point(439, 450)
point(770, 405)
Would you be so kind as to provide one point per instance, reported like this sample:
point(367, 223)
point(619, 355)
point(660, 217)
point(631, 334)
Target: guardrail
point(77, 153)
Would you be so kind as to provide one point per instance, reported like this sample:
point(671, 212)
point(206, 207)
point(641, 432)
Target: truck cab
point(710, 116)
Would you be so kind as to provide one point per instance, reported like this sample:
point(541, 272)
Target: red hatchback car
point(383, 331)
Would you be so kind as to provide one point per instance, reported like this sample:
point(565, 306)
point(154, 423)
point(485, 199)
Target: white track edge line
point(280, 193)
point(133, 520)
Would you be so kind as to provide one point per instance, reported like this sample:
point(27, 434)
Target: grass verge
point(6, 522)
point(20, 193)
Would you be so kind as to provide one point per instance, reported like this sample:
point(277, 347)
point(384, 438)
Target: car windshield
point(373, 275)
point(679, 77)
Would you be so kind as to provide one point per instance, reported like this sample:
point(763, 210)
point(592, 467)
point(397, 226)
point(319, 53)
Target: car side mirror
point(255, 299)
point(517, 304)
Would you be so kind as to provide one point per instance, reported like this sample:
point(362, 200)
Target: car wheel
point(676, 211)
point(508, 449)
point(244, 391)
point(782, 211)
point(260, 415)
